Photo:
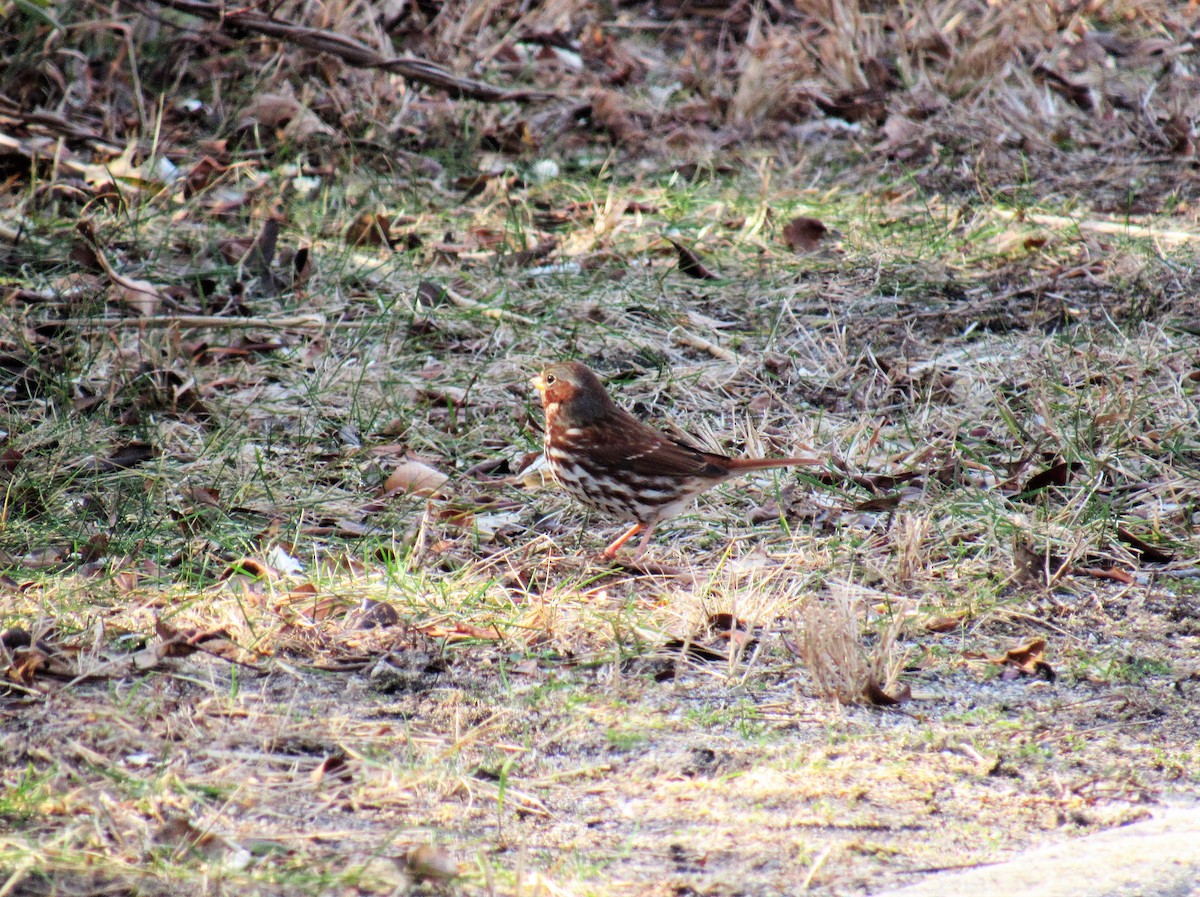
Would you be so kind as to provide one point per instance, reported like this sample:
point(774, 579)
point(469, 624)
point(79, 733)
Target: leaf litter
point(1005, 398)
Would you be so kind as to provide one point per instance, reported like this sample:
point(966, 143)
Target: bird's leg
point(643, 542)
point(641, 549)
point(611, 551)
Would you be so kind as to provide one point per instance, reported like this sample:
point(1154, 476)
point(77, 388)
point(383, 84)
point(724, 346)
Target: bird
point(607, 459)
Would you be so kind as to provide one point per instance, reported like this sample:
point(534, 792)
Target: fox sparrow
point(609, 460)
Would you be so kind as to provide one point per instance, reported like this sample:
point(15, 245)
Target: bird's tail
point(748, 464)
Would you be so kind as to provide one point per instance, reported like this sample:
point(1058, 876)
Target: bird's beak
point(538, 383)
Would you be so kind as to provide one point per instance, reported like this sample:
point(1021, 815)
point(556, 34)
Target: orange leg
point(611, 551)
point(641, 549)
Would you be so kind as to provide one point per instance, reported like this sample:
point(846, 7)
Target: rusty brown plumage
point(609, 460)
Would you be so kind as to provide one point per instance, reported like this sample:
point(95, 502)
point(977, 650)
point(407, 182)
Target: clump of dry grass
point(839, 661)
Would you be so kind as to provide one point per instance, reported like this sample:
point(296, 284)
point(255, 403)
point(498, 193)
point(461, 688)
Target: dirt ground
point(284, 609)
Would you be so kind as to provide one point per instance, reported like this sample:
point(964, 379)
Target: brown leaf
point(203, 496)
point(26, 664)
point(45, 558)
point(427, 862)
point(462, 631)
point(94, 548)
point(14, 638)
point(696, 651)
point(414, 478)
point(1031, 651)
point(526, 667)
point(1033, 567)
point(904, 139)
point(373, 614)
point(442, 394)
point(123, 457)
point(768, 512)
point(185, 642)
point(690, 264)
point(881, 503)
point(1056, 475)
point(9, 459)
point(1115, 573)
point(369, 229)
point(283, 113)
point(252, 567)
point(473, 185)
point(610, 114)
point(1027, 660)
point(1079, 94)
point(877, 697)
point(804, 234)
point(141, 296)
point(430, 294)
point(724, 622)
point(1147, 552)
point(946, 623)
point(335, 765)
point(527, 257)
point(183, 838)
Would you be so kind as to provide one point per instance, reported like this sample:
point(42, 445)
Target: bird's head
point(572, 393)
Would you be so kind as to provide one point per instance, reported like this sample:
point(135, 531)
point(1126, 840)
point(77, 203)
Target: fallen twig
point(685, 338)
point(298, 322)
point(349, 50)
point(1102, 226)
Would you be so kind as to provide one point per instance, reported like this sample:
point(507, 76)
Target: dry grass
point(978, 320)
point(831, 647)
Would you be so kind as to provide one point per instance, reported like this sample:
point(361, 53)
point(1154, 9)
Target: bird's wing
point(645, 451)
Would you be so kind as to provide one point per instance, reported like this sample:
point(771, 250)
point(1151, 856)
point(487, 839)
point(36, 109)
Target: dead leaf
point(123, 458)
point(9, 459)
point(373, 614)
point(335, 765)
point(1027, 660)
point(610, 114)
point(252, 567)
point(768, 512)
point(526, 257)
point(526, 667)
point(26, 664)
point(448, 396)
point(462, 631)
point(204, 496)
point(1081, 95)
point(183, 838)
point(1147, 553)
point(1032, 567)
point(185, 642)
point(427, 862)
point(881, 503)
point(690, 264)
point(285, 114)
point(414, 478)
point(696, 651)
point(140, 295)
point(1114, 573)
point(947, 623)
point(877, 697)
point(1056, 475)
point(14, 638)
point(904, 139)
point(804, 234)
point(369, 229)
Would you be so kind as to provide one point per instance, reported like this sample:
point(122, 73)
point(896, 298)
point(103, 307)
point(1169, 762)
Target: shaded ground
point(588, 776)
point(240, 658)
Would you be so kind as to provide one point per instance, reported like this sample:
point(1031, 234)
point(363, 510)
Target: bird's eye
point(550, 379)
